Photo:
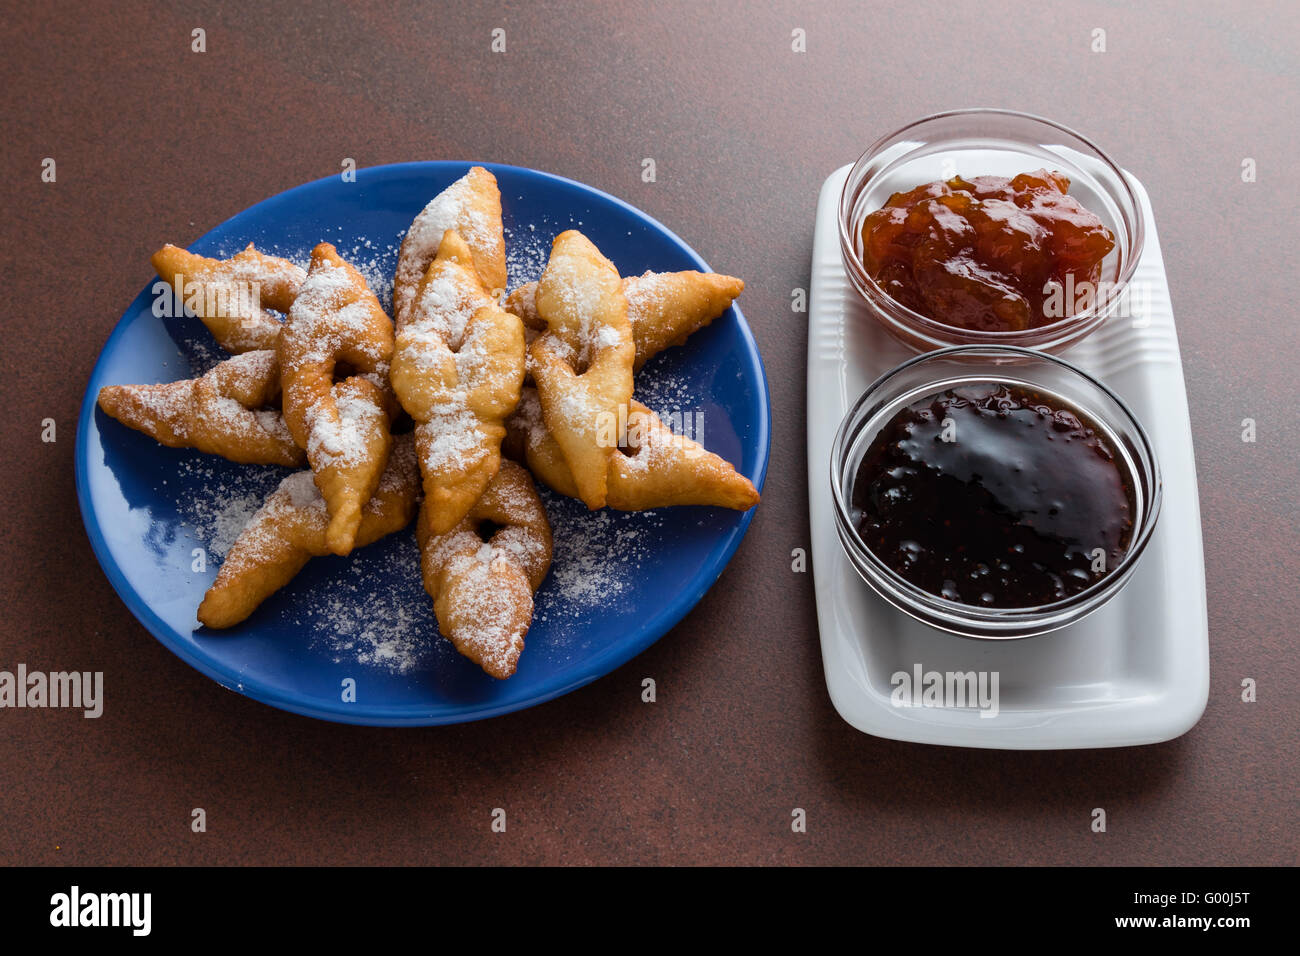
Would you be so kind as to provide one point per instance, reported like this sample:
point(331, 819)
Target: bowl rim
point(1079, 322)
point(1096, 594)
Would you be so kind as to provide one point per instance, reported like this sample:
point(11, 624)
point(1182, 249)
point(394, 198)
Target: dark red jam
point(988, 253)
point(994, 495)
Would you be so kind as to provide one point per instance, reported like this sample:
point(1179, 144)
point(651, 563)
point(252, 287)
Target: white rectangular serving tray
point(1134, 672)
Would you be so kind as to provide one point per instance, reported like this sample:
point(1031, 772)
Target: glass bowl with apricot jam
point(989, 227)
point(993, 491)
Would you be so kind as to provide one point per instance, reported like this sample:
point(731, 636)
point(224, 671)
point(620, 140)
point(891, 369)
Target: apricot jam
point(994, 495)
point(988, 253)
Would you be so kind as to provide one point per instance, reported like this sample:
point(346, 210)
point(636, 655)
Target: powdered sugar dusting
point(525, 547)
point(441, 324)
point(373, 610)
point(642, 291)
point(527, 250)
point(324, 325)
point(197, 345)
point(446, 303)
point(231, 517)
point(450, 441)
point(491, 632)
point(373, 258)
point(597, 558)
point(375, 263)
point(453, 208)
point(227, 497)
point(665, 393)
point(344, 440)
point(579, 309)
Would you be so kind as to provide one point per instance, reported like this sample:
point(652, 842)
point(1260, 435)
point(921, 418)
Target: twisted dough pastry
point(222, 413)
point(582, 363)
point(237, 329)
point(664, 307)
point(472, 206)
point(290, 529)
point(655, 469)
point(483, 590)
point(336, 320)
point(458, 366)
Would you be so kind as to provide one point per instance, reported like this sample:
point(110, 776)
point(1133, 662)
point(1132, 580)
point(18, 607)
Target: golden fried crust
point(655, 468)
point(483, 590)
point(582, 364)
point(658, 468)
point(457, 368)
point(665, 308)
point(343, 427)
point(523, 303)
point(528, 441)
point(472, 207)
point(291, 528)
point(222, 413)
point(224, 304)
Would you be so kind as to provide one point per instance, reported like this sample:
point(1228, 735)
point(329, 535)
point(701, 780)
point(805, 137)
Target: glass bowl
point(935, 371)
point(988, 142)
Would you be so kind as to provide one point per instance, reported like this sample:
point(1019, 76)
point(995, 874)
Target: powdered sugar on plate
point(374, 260)
point(368, 609)
point(597, 556)
point(374, 611)
point(230, 496)
point(527, 250)
point(665, 393)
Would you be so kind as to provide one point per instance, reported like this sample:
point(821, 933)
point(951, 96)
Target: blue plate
point(160, 518)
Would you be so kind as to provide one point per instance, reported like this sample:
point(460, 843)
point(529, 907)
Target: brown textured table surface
point(156, 143)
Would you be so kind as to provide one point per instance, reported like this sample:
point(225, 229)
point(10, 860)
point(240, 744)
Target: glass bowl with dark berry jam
point(989, 227)
point(993, 491)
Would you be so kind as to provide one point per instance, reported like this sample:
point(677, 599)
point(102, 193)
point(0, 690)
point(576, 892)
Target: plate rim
point(586, 671)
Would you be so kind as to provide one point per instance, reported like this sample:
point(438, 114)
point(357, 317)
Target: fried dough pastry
point(458, 366)
point(655, 468)
point(344, 428)
point(665, 308)
point(582, 363)
point(224, 306)
point(291, 528)
point(224, 412)
point(483, 590)
point(472, 206)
